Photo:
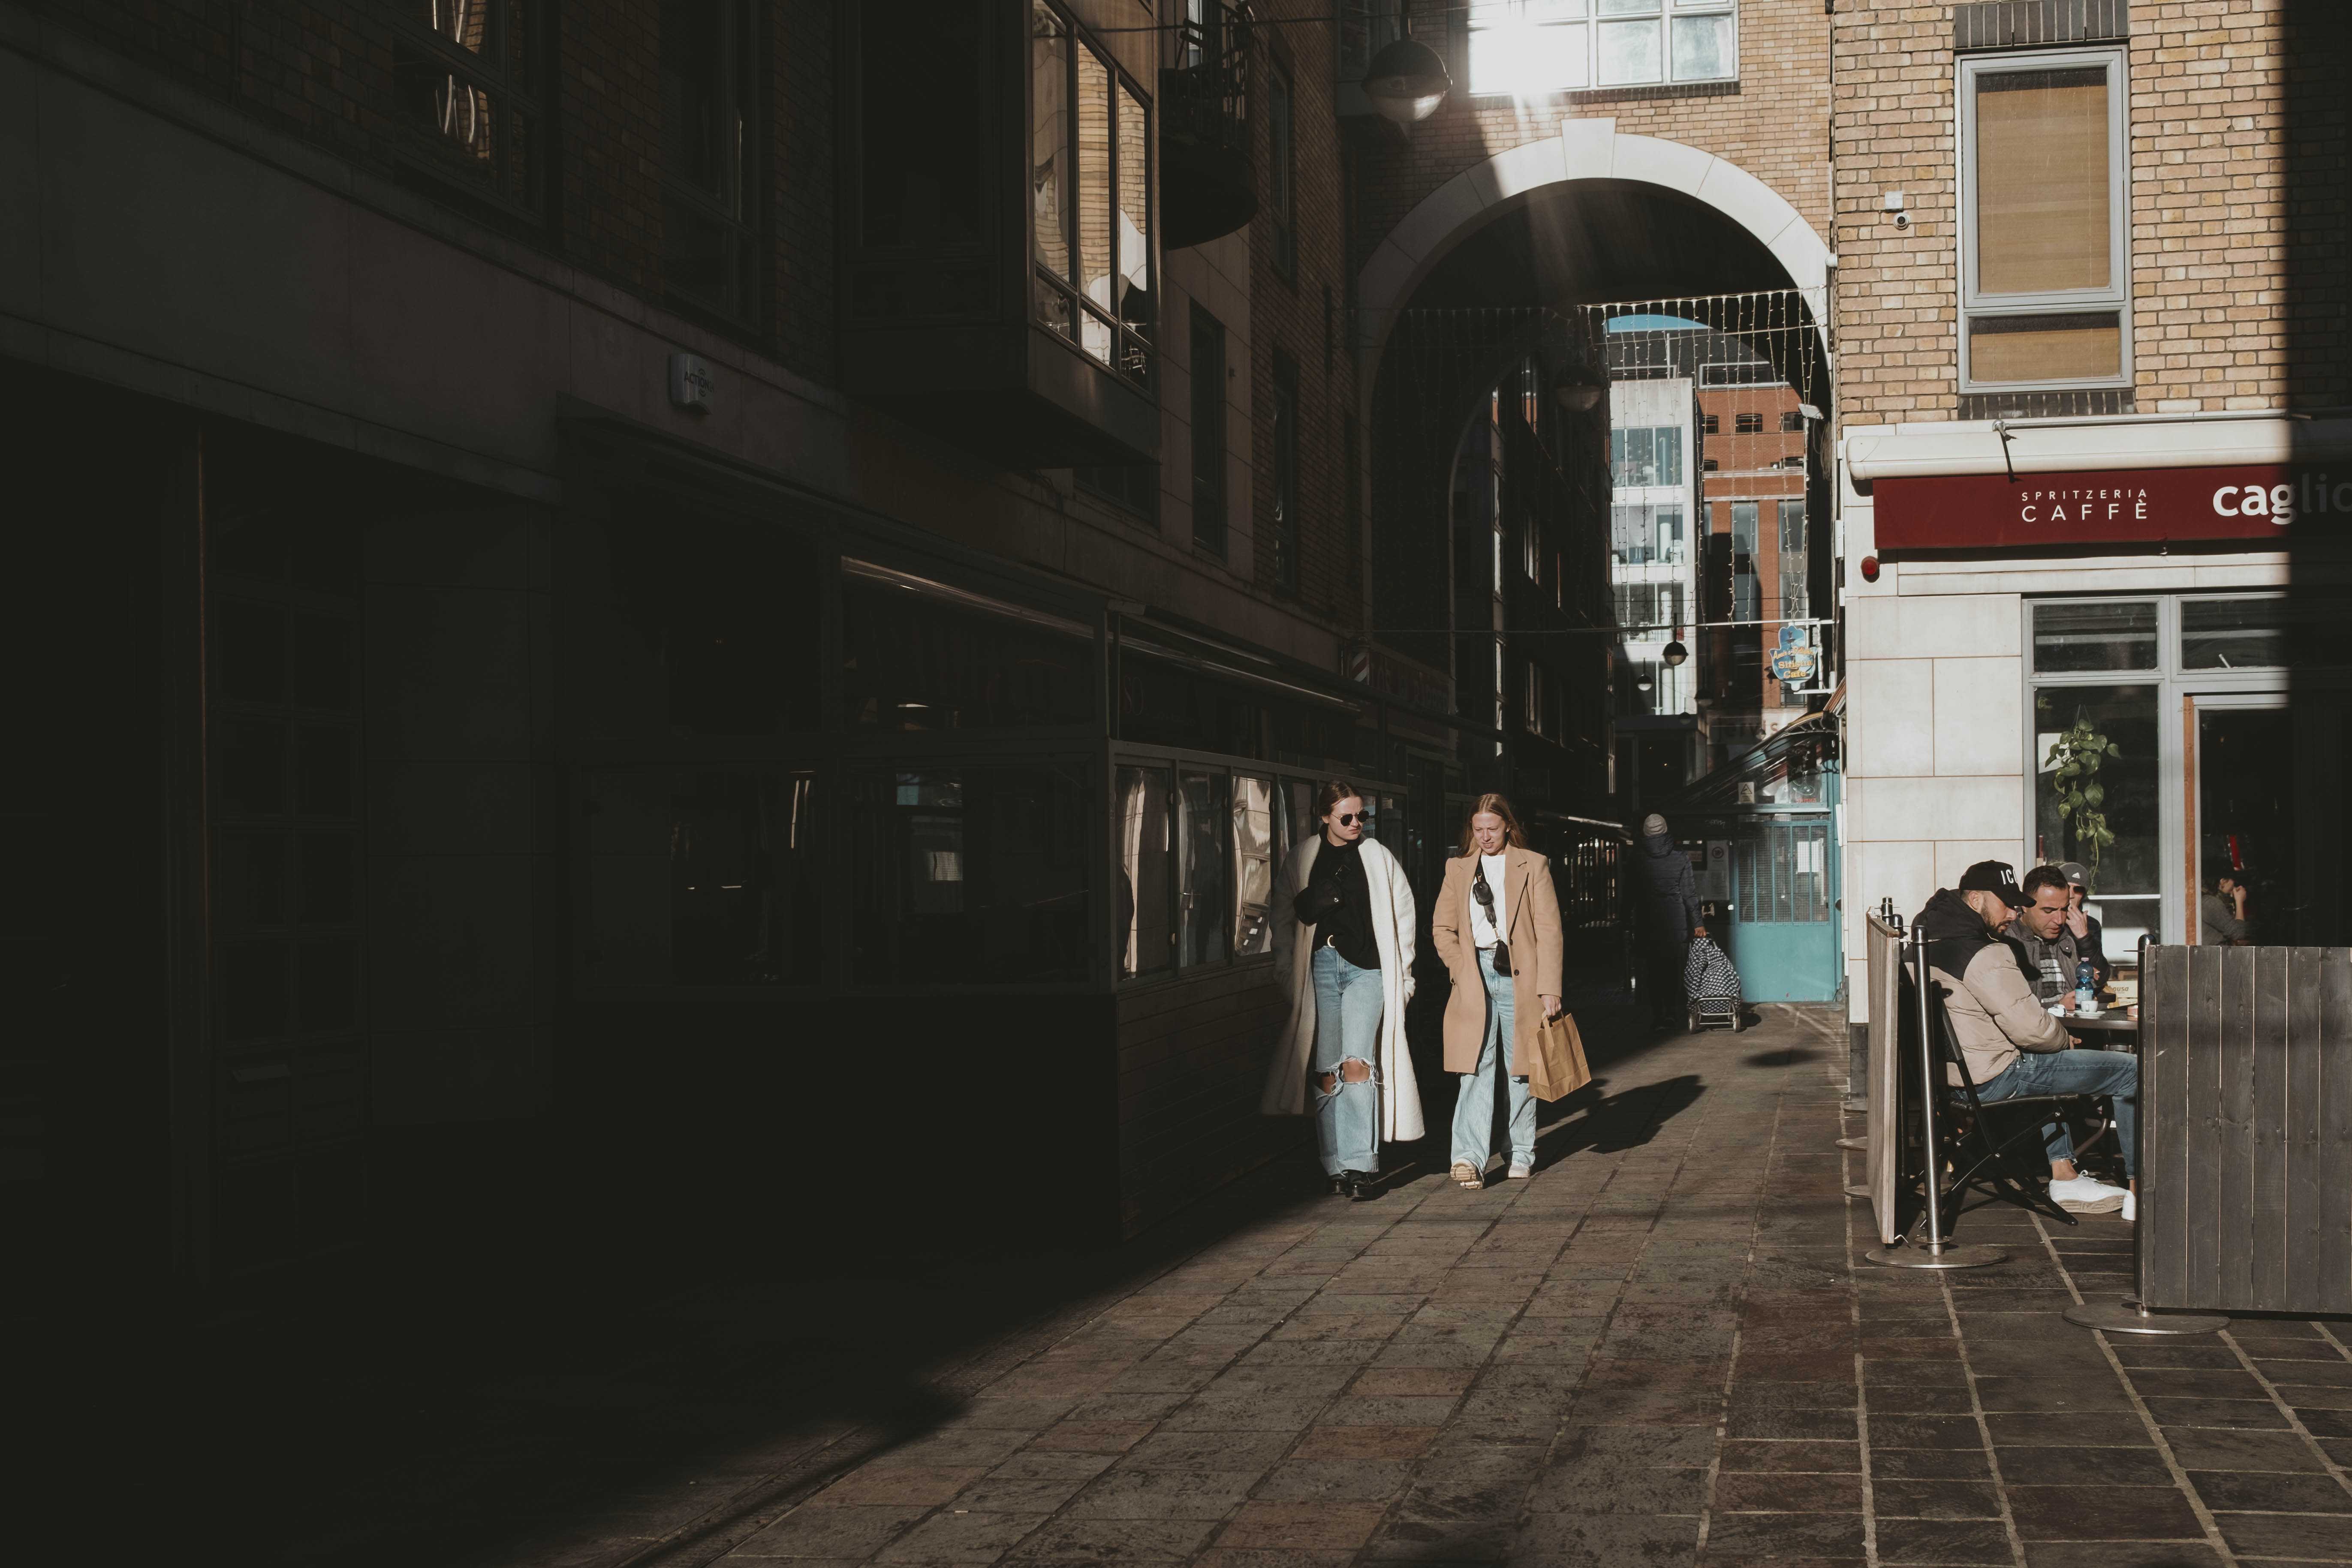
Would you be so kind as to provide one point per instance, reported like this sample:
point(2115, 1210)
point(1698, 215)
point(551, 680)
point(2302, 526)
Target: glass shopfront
point(2164, 757)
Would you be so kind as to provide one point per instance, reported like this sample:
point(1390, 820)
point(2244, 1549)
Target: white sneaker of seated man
point(2086, 1195)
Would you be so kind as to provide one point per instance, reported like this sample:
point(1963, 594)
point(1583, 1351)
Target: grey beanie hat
point(1653, 827)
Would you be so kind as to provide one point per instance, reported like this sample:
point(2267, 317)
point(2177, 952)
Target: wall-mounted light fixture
point(1407, 82)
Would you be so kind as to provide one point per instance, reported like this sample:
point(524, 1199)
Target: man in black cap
point(2014, 1045)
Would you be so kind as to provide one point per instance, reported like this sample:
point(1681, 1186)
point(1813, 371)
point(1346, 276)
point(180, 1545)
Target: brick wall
point(2224, 207)
point(1774, 126)
point(1302, 316)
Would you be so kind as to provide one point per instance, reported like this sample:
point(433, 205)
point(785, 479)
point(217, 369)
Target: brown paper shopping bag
point(1559, 1067)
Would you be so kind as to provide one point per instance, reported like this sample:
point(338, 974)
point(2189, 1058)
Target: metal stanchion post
point(1931, 1250)
point(2130, 1315)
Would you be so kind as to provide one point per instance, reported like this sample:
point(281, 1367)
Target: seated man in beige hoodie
point(2014, 1045)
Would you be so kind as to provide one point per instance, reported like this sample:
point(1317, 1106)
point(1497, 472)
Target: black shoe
point(1338, 1180)
point(1364, 1186)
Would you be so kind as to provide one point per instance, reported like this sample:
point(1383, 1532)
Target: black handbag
point(1485, 894)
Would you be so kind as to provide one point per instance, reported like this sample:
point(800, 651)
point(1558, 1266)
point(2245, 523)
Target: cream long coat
point(1393, 933)
point(1531, 911)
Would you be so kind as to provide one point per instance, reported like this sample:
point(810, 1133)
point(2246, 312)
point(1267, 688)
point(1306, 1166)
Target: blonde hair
point(1513, 834)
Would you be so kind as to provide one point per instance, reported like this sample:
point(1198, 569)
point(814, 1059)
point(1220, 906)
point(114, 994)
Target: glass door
point(2238, 790)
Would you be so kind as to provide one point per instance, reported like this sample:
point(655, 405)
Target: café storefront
point(2121, 642)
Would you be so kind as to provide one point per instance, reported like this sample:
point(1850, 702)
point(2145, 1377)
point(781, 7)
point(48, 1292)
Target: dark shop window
point(466, 78)
point(1204, 903)
point(1167, 704)
point(1792, 421)
point(689, 628)
point(1285, 472)
point(913, 662)
point(703, 876)
point(969, 876)
point(1208, 433)
point(1748, 424)
point(1282, 173)
point(709, 152)
point(1145, 827)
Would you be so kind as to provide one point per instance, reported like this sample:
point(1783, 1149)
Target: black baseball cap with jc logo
point(1994, 877)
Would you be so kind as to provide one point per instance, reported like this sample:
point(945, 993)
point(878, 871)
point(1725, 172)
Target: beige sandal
point(1466, 1178)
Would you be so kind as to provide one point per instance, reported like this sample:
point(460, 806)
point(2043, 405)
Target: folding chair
point(1990, 1174)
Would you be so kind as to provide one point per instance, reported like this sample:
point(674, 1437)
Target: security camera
point(1893, 200)
point(1902, 220)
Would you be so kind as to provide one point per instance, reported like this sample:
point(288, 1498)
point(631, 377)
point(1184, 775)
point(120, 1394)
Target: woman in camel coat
point(1497, 926)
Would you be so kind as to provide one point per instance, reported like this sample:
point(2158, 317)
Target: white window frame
point(2117, 295)
point(1661, 11)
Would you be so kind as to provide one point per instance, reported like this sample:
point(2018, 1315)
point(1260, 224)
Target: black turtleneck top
point(1337, 904)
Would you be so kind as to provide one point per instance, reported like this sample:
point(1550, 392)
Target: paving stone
point(1757, 1537)
point(1943, 1540)
point(2102, 1512)
point(1950, 1498)
point(1843, 1458)
point(2211, 1448)
point(1606, 1540)
point(2120, 1555)
point(2307, 1537)
point(2256, 1492)
point(1070, 1543)
point(851, 1533)
point(977, 1536)
point(1140, 1494)
point(1310, 1526)
point(1766, 1492)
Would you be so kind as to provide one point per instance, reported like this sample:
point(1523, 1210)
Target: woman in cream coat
point(1497, 926)
point(1343, 938)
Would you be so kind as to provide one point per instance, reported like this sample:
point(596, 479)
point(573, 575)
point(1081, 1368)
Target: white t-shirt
point(1482, 930)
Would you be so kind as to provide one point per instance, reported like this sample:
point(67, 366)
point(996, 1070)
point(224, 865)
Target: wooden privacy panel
point(1885, 946)
point(2246, 1128)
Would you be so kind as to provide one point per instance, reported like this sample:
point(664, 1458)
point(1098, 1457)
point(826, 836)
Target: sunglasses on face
point(1347, 818)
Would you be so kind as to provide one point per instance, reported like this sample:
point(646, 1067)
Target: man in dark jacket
point(2090, 938)
point(1667, 915)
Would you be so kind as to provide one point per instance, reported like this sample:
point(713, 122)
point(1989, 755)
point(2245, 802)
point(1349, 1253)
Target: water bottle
point(2086, 991)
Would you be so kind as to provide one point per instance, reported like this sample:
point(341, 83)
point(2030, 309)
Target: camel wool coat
point(1531, 916)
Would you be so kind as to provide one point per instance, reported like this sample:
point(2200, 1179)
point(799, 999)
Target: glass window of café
point(2163, 757)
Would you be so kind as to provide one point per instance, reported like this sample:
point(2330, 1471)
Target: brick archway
point(1585, 150)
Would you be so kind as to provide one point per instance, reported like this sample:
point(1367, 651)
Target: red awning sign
point(2249, 501)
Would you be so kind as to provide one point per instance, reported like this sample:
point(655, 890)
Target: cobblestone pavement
point(1665, 1349)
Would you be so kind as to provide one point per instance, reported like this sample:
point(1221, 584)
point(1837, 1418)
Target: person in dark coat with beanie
point(1667, 915)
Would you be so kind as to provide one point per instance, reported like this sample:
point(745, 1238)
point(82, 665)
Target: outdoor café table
point(2109, 1031)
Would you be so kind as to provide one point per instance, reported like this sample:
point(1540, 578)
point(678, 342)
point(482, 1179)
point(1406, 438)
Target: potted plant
point(2075, 760)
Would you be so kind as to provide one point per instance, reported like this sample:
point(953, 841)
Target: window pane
point(742, 879)
point(2041, 181)
point(925, 172)
point(2233, 634)
point(1203, 906)
point(1135, 299)
point(1703, 50)
point(1254, 865)
point(2117, 634)
point(2072, 347)
point(1629, 8)
point(915, 663)
point(1628, 51)
point(2125, 781)
point(689, 628)
point(1049, 138)
point(252, 643)
point(1145, 936)
point(698, 130)
point(1094, 218)
point(969, 876)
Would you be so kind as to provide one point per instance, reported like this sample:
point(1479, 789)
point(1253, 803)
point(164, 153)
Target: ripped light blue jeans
point(1474, 1106)
point(1348, 1004)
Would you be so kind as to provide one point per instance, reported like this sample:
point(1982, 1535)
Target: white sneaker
point(1520, 1171)
point(2131, 1206)
point(2085, 1194)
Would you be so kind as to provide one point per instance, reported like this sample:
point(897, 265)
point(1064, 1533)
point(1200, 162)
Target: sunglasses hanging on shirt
point(1486, 896)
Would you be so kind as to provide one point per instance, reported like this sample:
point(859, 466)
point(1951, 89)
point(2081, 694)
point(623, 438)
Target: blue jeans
point(1348, 1004)
point(1473, 1108)
point(2111, 1073)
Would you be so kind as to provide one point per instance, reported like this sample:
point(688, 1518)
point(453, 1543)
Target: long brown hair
point(1513, 834)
